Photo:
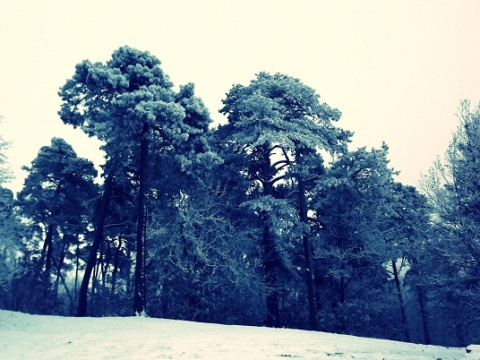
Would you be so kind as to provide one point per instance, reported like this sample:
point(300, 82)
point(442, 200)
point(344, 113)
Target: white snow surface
point(24, 336)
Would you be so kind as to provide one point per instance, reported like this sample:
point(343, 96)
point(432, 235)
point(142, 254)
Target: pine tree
point(56, 197)
point(352, 209)
point(275, 125)
point(129, 104)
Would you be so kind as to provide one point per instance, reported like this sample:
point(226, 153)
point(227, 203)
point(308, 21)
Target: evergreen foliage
point(269, 219)
point(278, 126)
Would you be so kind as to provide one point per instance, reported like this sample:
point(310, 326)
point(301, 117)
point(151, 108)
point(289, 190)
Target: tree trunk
point(309, 276)
point(48, 248)
point(59, 272)
point(424, 315)
point(128, 273)
point(62, 279)
point(270, 264)
point(103, 263)
point(46, 258)
point(77, 265)
point(342, 296)
point(115, 266)
point(401, 301)
point(94, 284)
point(97, 240)
point(140, 296)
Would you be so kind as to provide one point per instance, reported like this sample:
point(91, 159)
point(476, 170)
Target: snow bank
point(25, 336)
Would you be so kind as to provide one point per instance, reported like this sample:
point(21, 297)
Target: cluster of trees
point(268, 219)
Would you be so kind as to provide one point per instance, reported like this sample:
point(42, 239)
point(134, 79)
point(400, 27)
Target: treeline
point(268, 219)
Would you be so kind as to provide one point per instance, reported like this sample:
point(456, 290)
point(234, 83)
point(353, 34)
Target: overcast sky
point(396, 70)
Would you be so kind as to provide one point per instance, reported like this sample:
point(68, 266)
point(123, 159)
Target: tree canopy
point(270, 218)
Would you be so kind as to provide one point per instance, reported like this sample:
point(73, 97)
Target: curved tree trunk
point(97, 240)
point(401, 301)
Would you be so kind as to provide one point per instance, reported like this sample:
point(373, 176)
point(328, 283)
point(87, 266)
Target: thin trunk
point(128, 272)
point(343, 288)
point(309, 276)
point(46, 259)
point(94, 283)
point(97, 240)
point(48, 247)
point(115, 266)
point(59, 274)
point(401, 301)
point(140, 296)
point(61, 278)
point(69, 295)
point(103, 262)
point(77, 264)
point(422, 300)
point(270, 264)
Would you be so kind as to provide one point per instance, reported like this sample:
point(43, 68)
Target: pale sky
point(396, 70)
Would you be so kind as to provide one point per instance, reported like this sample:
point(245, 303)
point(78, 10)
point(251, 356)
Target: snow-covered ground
point(25, 336)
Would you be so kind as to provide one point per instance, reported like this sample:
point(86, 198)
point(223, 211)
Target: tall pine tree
point(276, 124)
point(130, 104)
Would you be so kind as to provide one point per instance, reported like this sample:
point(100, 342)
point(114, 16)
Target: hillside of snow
point(24, 336)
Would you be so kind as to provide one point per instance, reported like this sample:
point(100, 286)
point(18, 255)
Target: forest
point(268, 219)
